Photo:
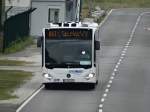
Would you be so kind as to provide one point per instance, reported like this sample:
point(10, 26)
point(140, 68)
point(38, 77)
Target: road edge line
point(29, 99)
point(104, 20)
point(100, 25)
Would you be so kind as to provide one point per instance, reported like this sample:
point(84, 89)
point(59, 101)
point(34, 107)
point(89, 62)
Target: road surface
point(130, 87)
point(130, 90)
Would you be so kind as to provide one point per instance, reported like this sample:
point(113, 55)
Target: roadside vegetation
point(6, 62)
point(109, 4)
point(19, 45)
point(1, 44)
point(10, 80)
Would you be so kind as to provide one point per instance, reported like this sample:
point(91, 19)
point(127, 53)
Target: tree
point(0, 15)
point(2, 5)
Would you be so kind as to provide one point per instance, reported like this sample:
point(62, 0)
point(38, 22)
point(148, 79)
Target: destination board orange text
point(68, 33)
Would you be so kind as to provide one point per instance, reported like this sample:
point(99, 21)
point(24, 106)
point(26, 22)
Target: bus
point(69, 54)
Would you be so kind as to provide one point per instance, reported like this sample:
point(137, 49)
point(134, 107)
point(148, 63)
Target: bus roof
point(82, 25)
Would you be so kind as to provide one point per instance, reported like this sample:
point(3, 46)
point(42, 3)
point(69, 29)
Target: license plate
point(68, 80)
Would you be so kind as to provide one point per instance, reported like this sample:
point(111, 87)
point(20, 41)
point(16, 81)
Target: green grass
point(19, 45)
point(10, 80)
point(13, 63)
point(109, 4)
point(1, 44)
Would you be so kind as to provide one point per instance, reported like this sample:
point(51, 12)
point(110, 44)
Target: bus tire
point(46, 86)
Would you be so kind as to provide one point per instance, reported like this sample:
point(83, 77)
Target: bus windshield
point(68, 53)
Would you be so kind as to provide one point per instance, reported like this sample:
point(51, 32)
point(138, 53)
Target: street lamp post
point(91, 6)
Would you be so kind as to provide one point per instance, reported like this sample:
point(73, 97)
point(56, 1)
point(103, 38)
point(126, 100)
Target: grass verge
point(10, 80)
point(19, 45)
point(13, 63)
point(1, 44)
point(110, 4)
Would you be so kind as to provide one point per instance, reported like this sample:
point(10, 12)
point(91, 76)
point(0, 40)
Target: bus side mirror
point(39, 42)
point(97, 45)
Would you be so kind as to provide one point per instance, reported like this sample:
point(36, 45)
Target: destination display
point(83, 34)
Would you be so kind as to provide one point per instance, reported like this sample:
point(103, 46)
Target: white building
point(47, 11)
point(52, 11)
point(13, 7)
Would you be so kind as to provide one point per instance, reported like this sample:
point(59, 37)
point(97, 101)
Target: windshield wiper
point(75, 65)
point(66, 65)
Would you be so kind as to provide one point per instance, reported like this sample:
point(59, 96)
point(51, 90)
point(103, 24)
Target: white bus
point(69, 54)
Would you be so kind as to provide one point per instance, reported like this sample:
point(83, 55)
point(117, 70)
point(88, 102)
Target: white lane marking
point(118, 63)
point(128, 43)
point(106, 90)
point(117, 66)
point(123, 54)
point(100, 110)
point(102, 100)
point(130, 40)
point(121, 58)
point(115, 70)
point(105, 95)
point(108, 86)
point(101, 106)
point(110, 82)
point(104, 20)
point(29, 99)
point(111, 77)
point(125, 49)
point(113, 74)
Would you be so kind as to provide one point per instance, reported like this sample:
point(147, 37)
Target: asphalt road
point(130, 88)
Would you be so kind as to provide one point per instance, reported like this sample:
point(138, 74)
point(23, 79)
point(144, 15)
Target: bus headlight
point(91, 75)
point(47, 76)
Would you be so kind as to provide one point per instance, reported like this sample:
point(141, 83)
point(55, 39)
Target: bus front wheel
point(46, 86)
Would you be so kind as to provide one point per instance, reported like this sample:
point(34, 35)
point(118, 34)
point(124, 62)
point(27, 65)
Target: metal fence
point(16, 28)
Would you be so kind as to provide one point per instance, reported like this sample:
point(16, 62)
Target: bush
point(1, 44)
point(10, 80)
point(19, 45)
